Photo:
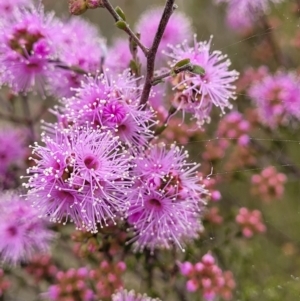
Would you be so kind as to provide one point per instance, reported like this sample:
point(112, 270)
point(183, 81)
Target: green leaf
point(182, 63)
point(121, 25)
point(135, 67)
point(120, 12)
point(198, 70)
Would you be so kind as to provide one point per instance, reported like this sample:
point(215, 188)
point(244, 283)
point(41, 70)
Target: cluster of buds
point(209, 184)
point(78, 7)
point(250, 222)
point(213, 216)
point(4, 284)
point(87, 244)
point(179, 132)
point(207, 277)
point(71, 286)
point(234, 127)
point(269, 184)
point(41, 267)
point(107, 278)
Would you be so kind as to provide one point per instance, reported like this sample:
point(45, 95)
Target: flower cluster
point(250, 222)
point(269, 184)
point(208, 278)
point(213, 216)
point(107, 278)
point(234, 127)
point(71, 286)
point(23, 233)
point(41, 267)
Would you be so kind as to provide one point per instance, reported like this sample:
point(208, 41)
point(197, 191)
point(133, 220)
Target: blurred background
point(267, 266)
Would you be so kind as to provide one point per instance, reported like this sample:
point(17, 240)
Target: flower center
point(91, 163)
point(155, 203)
point(12, 231)
point(23, 41)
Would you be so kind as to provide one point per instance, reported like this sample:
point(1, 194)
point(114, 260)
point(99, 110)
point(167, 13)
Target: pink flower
point(196, 94)
point(166, 199)
point(26, 49)
point(82, 175)
point(80, 45)
point(23, 233)
point(242, 14)
point(177, 30)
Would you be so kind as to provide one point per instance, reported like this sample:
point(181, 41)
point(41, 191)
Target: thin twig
point(127, 29)
point(159, 78)
point(279, 57)
point(27, 113)
point(285, 161)
point(159, 130)
point(169, 8)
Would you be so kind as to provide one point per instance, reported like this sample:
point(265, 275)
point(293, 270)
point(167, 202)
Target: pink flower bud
point(77, 7)
point(192, 285)
point(185, 268)
point(208, 259)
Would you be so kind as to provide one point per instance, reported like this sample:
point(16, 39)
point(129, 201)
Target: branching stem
point(151, 55)
point(128, 30)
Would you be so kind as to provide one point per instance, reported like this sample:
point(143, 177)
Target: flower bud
point(77, 7)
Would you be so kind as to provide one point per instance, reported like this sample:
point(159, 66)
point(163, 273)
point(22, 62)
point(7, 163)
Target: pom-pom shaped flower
point(124, 295)
point(242, 14)
point(166, 199)
point(26, 49)
point(82, 175)
point(81, 47)
point(196, 93)
point(22, 232)
point(111, 103)
point(177, 30)
point(277, 98)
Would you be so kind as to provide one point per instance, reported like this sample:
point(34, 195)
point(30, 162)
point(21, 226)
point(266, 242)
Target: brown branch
point(151, 55)
point(127, 29)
